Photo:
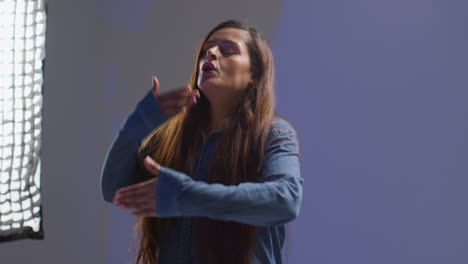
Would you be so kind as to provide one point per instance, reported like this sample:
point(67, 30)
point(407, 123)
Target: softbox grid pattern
point(22, 51)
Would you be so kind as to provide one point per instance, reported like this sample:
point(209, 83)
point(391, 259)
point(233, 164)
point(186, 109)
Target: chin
point(207, 84)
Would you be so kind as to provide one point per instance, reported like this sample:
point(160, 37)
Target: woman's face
point(224, 66)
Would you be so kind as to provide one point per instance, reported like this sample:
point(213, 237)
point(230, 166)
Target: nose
point(212, 53)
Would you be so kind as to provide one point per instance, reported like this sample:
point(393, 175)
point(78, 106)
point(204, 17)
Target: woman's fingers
point(182, 102)
point(155, 85)
point(142, 205)
point(144, 198)
point(131, 192)
point(135, 195)
point(196, 93)
point(136, 205)
point(172, 112)
point(176, 94)
point(151, 166)
point(175, 111)
point(174, 102)
point(179, 98)
point(174, 107)
point(135, 199)
point(142, 213)
point(169, 95)
point(142, 190)
point(140, 197)
point(136, 187)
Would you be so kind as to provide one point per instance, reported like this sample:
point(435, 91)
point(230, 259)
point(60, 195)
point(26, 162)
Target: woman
point(217, 174)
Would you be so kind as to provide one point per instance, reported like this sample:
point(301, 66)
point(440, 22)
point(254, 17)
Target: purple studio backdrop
point(377, 91)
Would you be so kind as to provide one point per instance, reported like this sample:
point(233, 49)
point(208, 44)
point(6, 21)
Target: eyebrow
point(221, 41)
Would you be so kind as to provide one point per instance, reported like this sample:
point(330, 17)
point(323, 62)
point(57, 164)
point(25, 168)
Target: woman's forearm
point(272, 202)
point(121, 160)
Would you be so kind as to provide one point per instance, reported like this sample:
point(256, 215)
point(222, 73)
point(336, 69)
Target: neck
point(218, 113)
point(219, 110)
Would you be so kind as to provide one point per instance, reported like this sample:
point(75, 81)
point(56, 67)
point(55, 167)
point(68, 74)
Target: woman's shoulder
point(281, 128)
point(282, 137)
point(279, 124)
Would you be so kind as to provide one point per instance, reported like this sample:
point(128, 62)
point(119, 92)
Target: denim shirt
point(268, 204)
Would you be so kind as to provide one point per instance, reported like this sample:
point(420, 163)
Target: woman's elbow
point(106, 194)
point(287, 212)
point(291, 213)
point(292, 204)
point(105, 184)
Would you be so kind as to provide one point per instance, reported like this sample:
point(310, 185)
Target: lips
point(208, 66)
point(208, 70)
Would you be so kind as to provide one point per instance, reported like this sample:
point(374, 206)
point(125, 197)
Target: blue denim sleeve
point(272, 202)
point(121, 160)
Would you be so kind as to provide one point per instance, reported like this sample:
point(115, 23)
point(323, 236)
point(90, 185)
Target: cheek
point(240, 70)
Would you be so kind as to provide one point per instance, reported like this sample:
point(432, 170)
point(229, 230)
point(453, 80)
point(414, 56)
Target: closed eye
point(227, 47)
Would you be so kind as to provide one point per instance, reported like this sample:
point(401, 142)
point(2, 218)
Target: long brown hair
point(238, 157)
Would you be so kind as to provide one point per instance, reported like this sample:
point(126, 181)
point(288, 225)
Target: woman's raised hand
point(174, 102)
